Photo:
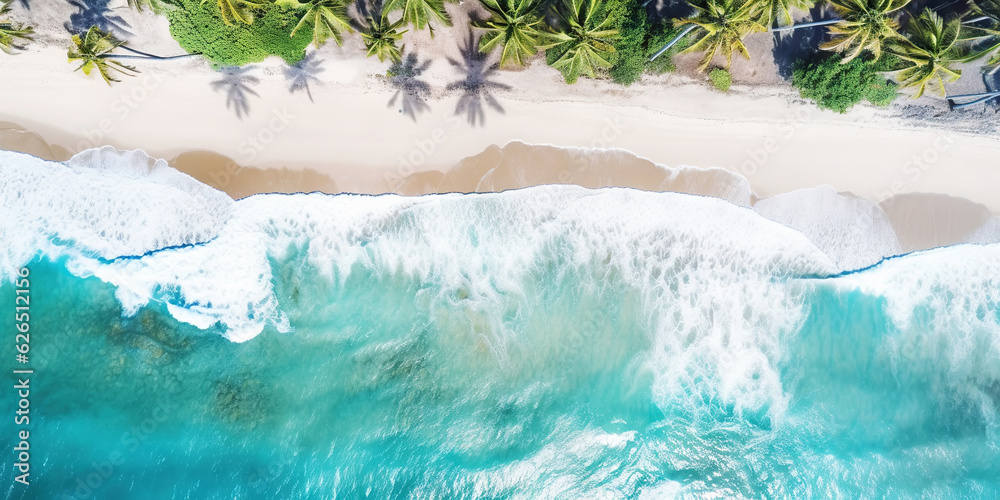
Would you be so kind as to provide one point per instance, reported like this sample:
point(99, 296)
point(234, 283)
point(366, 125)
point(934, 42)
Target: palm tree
point(11, 31)
point(328, 18)
point(419, 13)
point(723, 25)
point(381, 37)
point(586, 42)
point(95, 49)
point(988, 10)
point(931, 47)
point(780, 10)
point(864, 25)
point(238, 10)
point(514, 26)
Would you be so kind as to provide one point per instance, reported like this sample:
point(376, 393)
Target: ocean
point(550, 342)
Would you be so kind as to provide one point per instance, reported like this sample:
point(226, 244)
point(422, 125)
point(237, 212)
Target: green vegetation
point(381, 37)
point(233, 11)
point(930, 50)
point(866, 25)
point(838, 85)
point(771, 11)
point(10, 32)
point(657, 37)
point(615, 39)
point(586, 42)
point(203, 29)
point(514, 27)
point(141, 5)
point(723, 24)
point(94, 51)
point(420, 13)
point(629, 19)
point(990, 11)
point(721, 78)
point(328, 19)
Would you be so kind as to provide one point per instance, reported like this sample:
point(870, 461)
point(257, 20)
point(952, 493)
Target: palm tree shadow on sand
point(300, 74)
point(477, 85)
point(95, 13)
point(410, 91)
point(236, 82)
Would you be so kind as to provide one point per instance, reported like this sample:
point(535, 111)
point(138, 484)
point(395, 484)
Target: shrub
point(629, 61)
point(839, 86)
point(200, 28)
point(721, 78)
point(658, 36)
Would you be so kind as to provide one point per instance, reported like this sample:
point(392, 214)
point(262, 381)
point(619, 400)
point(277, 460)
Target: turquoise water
point(379, 394)
point(546, 343)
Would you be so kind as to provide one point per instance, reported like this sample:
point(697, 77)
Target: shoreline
point(359, 131)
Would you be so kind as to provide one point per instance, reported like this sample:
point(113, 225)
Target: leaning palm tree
point(237, 10)
point(419, 13)
point(95, 49)
point(586, 42)
point(514, 26)
point(931, 48)
point(864, 25)
point(11, 31)
point(723, 24)
point(328, 18)
point(381, 36)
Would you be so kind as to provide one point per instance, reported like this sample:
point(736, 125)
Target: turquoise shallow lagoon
point(547, 343)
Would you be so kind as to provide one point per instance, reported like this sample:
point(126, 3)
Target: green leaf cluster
point(839, 86)
point(199, 27)
point(721, 78)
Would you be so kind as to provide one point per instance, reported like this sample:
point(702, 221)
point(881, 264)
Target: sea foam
point(102, 203)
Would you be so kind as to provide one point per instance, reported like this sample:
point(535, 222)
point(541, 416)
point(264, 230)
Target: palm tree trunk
point(144, 55)
point(792, 27)
point(976, 19)
point(677, 38)
point(986, 96)
point(672, 42)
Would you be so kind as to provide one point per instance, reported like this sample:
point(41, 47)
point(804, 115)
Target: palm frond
point(513, 27)
point(328, 18)
point(237, 10)
point(866, 25)
point(585, 45)
point(420, 13)
point(723, 25)
point(381, 36)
